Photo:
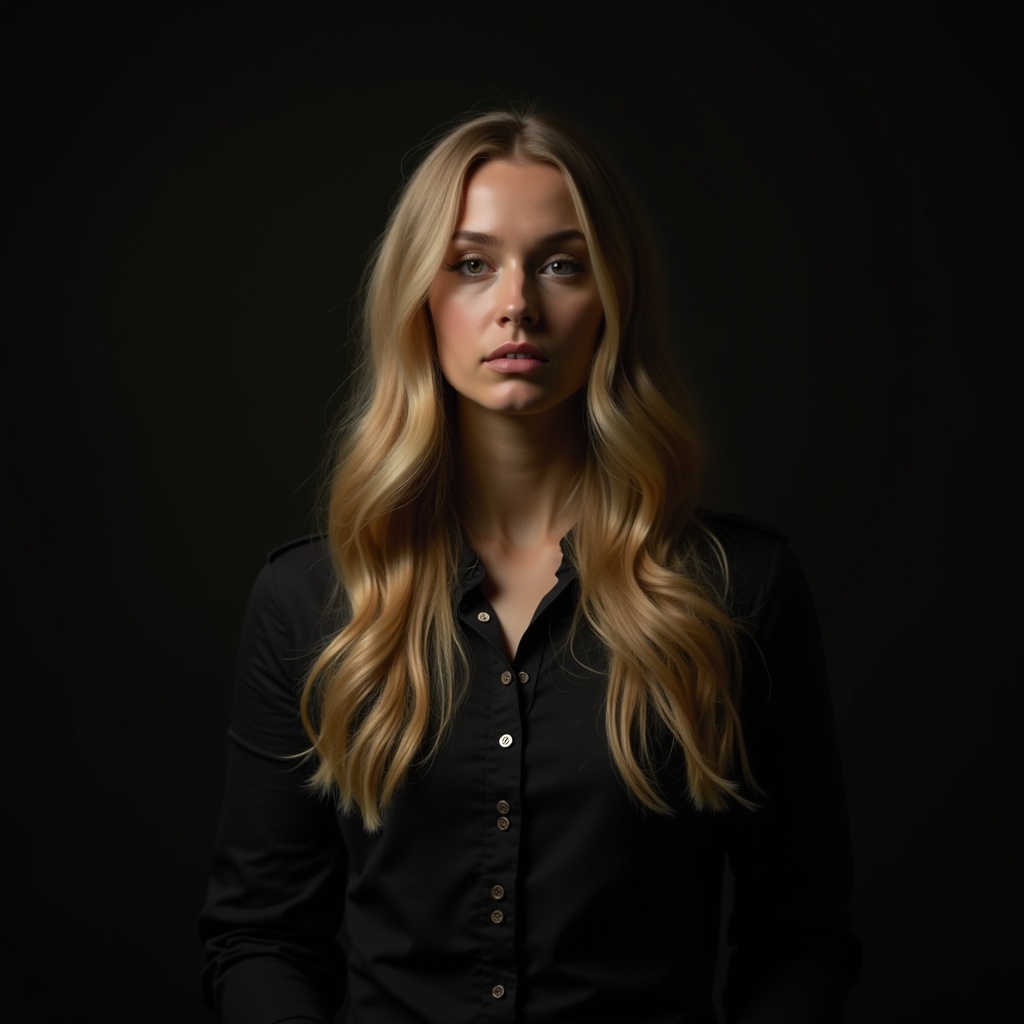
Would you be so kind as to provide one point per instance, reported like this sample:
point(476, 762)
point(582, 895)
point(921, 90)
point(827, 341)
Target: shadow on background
point(191, 193)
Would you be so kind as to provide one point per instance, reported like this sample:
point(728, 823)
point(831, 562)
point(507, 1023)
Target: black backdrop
point(190, 193)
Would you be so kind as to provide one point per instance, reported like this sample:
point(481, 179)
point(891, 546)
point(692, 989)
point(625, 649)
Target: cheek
point(456, 336)
point(455, 319)
point(583, 322)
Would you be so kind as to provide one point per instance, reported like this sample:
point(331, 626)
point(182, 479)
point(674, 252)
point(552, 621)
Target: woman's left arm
point(795, 952)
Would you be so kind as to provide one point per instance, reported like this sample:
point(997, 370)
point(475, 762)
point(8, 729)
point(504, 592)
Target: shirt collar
point(472, 571)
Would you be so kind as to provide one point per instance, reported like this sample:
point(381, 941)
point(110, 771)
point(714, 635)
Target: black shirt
point(515, 878)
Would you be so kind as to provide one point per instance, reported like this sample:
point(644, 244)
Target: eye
point(563, 266)
point(469, 266)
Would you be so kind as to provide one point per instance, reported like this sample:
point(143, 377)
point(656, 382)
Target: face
point(515, 306)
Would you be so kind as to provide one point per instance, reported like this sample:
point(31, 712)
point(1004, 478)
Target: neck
point(517, 473)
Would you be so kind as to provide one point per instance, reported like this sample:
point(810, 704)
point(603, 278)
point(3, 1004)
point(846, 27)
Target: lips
point(516, 358)
point(516, 350)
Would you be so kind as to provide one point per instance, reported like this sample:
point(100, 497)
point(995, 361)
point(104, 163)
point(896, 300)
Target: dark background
point(190, 193)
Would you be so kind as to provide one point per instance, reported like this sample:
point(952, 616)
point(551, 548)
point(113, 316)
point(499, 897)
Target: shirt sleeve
point(794, 950)
point(276, 888)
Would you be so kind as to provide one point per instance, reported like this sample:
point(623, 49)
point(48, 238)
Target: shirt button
point(483, 617)
point(497, 916)
point(505, 740)
point(498, 991)
point(503, 807)
point(524, 677)
point(504, 824)
point(506, 678)
point(497, 892)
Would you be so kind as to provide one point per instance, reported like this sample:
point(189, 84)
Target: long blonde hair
point(384, 689)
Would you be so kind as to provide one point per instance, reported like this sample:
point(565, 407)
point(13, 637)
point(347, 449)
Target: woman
point(548, 699)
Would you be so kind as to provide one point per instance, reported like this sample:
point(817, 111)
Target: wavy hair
point(383, 690)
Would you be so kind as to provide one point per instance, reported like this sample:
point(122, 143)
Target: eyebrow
point(482, 238)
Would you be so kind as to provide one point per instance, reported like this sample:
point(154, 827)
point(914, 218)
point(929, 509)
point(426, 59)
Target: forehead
point(521, 193)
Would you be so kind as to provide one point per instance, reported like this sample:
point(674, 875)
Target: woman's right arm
point(276, 888)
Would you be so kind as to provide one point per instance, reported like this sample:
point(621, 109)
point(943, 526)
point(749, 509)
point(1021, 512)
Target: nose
point(516, 305)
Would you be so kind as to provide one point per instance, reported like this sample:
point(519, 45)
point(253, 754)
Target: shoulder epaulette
point(713, 517)
point(312, 538)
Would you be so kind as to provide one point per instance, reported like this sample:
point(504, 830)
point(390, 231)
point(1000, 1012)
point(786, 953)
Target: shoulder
point(758, 558)
point(301, 559)
point(772, 604)
point(742, 532)
point(297, 585)
point(749, 546)
point(286, 623)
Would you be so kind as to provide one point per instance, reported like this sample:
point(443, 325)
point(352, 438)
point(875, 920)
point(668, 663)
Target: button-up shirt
point(515, 877)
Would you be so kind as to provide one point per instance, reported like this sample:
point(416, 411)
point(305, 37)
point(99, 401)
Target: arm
point(795, 952)
point(276, 886)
